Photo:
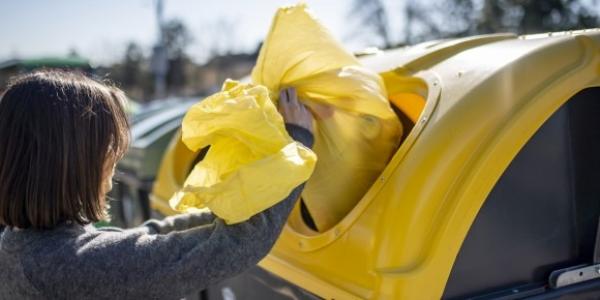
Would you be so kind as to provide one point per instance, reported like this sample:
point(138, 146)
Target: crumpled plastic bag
point(356, 129)
point(252, 162)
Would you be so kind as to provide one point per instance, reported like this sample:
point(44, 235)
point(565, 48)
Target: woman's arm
point(168, 224)
point(136, 265)
point(179, 222)
point(190, 220)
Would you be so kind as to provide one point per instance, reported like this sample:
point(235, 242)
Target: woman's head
point(60, 136)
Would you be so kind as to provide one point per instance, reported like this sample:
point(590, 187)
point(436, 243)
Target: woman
point(61, 135)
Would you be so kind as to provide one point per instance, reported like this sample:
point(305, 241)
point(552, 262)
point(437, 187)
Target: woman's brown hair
point(59, 132)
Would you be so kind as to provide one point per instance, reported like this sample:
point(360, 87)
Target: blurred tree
point(73, 53)
point(131, 76)
point(372, 18)
point(441, 19)
point(177, 39)
point(219, 38)
point(426, 20)
point(131, 73)
point(454, 18)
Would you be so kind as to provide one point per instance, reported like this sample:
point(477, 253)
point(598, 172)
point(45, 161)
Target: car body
point(152, 128)
point(17, 66)
point(492, 193)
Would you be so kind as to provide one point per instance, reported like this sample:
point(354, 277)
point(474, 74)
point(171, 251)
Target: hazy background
point(208, 41)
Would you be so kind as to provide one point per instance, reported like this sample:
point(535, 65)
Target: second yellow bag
point(356, 129)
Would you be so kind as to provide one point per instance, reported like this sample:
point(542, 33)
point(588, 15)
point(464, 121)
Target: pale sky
point(99, 30)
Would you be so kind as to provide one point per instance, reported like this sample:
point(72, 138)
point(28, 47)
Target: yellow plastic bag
point(356, 130)
point(252, 162)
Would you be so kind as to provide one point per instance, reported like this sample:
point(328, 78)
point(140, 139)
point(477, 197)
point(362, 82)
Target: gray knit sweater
point(165, 259)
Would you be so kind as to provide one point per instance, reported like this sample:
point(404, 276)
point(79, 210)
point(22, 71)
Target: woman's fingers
point(283, 99)
point(283, 96)
point(292, 110)
point(293, 96)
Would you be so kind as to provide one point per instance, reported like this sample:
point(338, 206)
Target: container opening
point(407, 95)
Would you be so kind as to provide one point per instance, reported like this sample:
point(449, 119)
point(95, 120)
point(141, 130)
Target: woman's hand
point(293, 111)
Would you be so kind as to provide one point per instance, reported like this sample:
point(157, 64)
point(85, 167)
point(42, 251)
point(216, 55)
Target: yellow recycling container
point(501, 130)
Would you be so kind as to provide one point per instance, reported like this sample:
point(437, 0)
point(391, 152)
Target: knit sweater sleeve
point(138, 263)
point(179, 222)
